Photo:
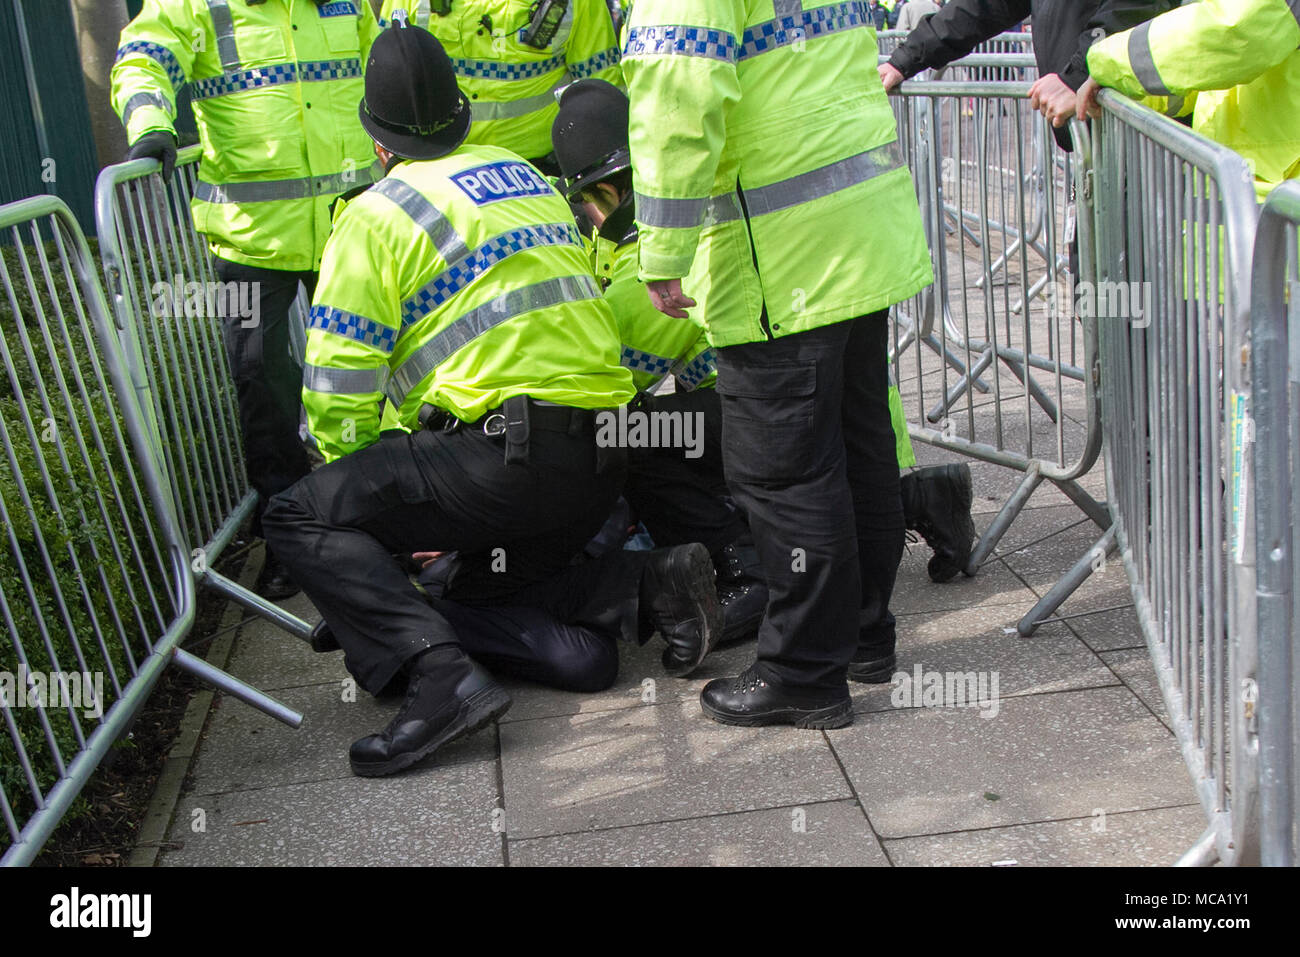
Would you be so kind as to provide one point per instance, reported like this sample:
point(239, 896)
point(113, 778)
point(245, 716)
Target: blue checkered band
point(698, 369)
point(677, 40)
point(160, 54)
point(601, 61)
point(341, 9)
point(307, 71)
point(819, 22)
point(644, 361)
point(464, 271)
point(351, 326)
point(496, 70)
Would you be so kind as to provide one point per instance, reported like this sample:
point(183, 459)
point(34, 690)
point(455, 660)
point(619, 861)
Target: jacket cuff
point(148, 119)
point(656, 263)
point(905, 62)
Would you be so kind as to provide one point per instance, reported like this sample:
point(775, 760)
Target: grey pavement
point(1071, 762)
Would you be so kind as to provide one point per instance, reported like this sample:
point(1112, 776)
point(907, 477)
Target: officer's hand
point(426, 558)
point(1087, 100)
point(890, 76)
point(666, 295)
point(159, 145)
point(1050, 96)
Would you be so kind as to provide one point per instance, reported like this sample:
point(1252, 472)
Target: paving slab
point(642, 765)
point(833, 834)
point(435, 816)
point(1138, 838)
point(977, 639)
point(1133, 665)
point(1039, 758)
point(914, 593)
point(243, 748)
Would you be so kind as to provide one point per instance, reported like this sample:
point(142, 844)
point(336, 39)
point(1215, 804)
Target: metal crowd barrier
point(1275, 376)
point(152, 256)
point(95, 589)
point(1175, 217)
point(991, 360)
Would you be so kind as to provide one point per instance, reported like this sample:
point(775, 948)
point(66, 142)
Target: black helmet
point(413, 107)
point(590, 135)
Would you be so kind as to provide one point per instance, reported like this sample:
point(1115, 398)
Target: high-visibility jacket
point(653, 345)
point(763, 142)
point(512, 85)
point(1233, 65)
point(459, 282)
point(275, 89)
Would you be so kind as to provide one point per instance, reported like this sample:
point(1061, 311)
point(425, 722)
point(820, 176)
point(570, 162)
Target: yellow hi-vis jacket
point(512, 85)
point(460, 282)
point(763, 142)
point(275, 87)
point(1233, 65)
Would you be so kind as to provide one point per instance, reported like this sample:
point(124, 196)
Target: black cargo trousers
point(268, 383)
point(515, 602)
point(810, 456)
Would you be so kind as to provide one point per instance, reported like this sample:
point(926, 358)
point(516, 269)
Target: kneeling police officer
point(458, 288)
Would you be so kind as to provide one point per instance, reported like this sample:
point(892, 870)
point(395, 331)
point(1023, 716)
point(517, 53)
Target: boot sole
point(478, 710)
point(834, 716)
point(701, 589)
point(876, 676)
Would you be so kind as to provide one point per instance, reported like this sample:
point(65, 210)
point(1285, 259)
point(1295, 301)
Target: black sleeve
point(1111, 16)
point(954, 31)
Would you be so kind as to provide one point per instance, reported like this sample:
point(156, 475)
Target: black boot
point(678, 599)
point(873, 661)
point(749, 700)
point(741, 593)
point(274, 582)
point(936, 503)
point(449, 696)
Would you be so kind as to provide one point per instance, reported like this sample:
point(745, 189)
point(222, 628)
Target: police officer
point(681, 499)
point(512, 56)
point(766, 148)
point(274, 87)
point(1232, 66)
point(458, 289)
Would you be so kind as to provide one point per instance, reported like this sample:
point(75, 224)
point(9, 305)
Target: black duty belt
point(515, 419)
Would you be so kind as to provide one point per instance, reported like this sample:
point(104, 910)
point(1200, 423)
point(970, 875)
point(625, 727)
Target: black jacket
point(1063, 31)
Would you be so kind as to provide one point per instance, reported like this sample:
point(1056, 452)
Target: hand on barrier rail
point(159, 145)
point(890, 76)
point(666, 295)
point(1053, 98)
point(1087, 100)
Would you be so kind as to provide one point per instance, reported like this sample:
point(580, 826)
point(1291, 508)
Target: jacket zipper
point(749, 231)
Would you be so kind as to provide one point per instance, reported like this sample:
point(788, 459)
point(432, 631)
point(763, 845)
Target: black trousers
point(345, 529)
point(809, 454)
point(679, 499)
point(267, 381)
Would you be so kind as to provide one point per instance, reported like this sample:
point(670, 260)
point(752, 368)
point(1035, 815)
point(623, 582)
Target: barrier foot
point(1203, 853)
point(1094, 509)
point(1068, 584)
point(235, 688)
point(1002, 521)
point(257, 604)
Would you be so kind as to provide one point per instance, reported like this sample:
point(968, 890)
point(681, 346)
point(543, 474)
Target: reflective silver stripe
point(343, 381)
point(269, 191)
point(1175, 105)
point(1294, 7)
point(669, 213)
point(686, 213)
point(510, 109)
point(427, 216)
point(227, 49)
point(422, 13)
point(1144, 67)
point(145, 99)
point(471, 325)
point(822, 182)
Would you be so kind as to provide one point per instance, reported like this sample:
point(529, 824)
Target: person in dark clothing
point(1063, 32)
